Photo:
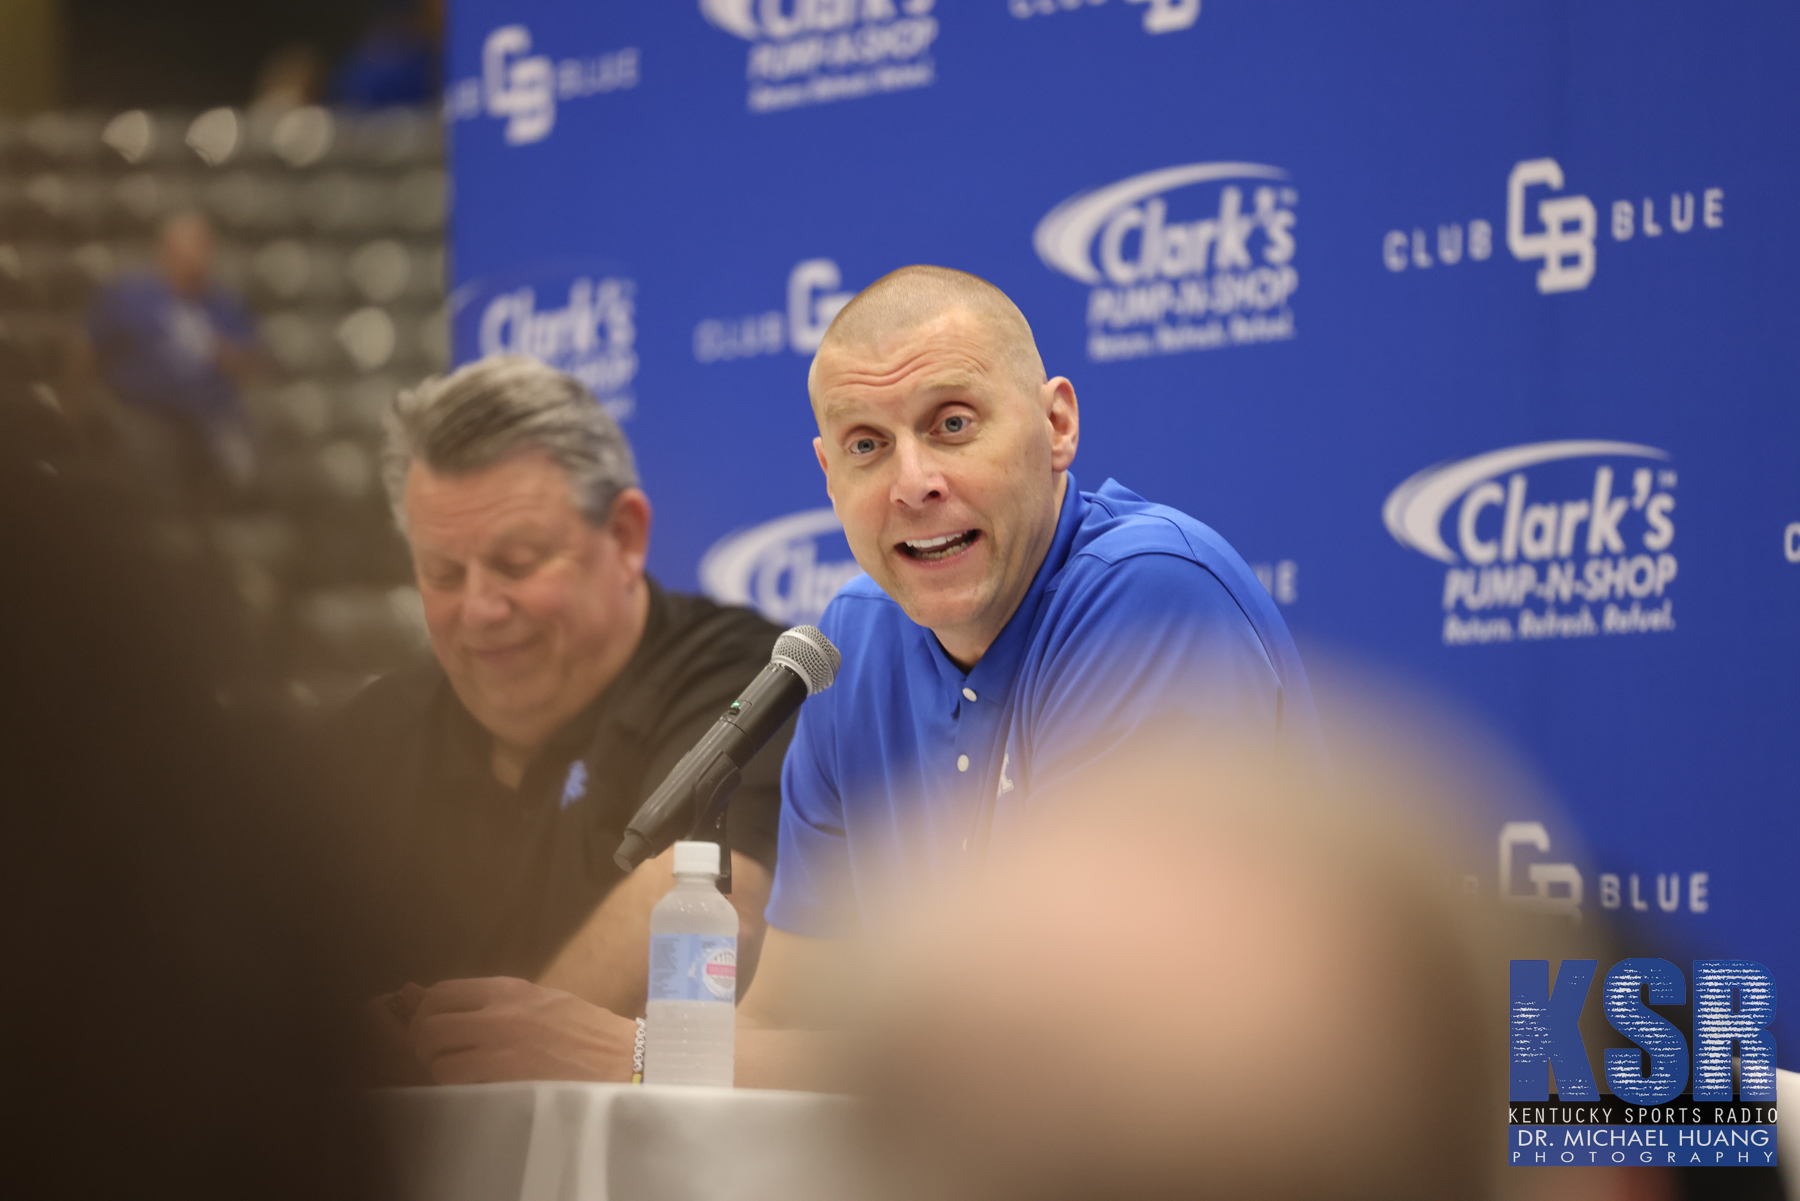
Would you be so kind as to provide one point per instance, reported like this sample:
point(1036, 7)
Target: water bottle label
point(693, 967)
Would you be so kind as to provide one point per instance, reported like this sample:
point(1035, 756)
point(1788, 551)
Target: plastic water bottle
point(692, 1009)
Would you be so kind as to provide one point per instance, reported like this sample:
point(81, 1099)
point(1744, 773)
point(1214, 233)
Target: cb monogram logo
point(1565, 239)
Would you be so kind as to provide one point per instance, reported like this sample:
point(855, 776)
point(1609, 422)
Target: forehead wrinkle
point(443, 514)
point(485, 545)
point(499, 524)
point(956, 369)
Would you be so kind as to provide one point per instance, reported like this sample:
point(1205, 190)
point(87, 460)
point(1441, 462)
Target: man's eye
point(863, 446)
point(955, 424)
point(444, 578)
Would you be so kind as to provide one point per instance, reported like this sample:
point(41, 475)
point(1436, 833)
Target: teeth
point(938, 548)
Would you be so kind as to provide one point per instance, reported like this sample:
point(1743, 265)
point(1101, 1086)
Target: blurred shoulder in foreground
point(172, 956)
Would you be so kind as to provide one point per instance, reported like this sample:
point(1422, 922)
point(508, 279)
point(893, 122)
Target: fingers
point(496, 1062)
point(466, 996)
point(482, 1066)
point(406, 1001)
point(457, 1017)
point(441, 1034)
point(387, 1054)
point(382, 1020)
point(474, 1031)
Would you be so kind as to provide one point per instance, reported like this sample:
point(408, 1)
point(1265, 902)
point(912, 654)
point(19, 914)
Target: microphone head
point(809, 654)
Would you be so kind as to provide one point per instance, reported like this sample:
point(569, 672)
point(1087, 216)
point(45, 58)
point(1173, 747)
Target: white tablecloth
point(590, 1142)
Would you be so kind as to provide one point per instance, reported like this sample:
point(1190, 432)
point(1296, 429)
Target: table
point(556, 1141)
point(591, 1142)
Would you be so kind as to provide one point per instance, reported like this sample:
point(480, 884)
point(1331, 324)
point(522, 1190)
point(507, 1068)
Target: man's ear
point(819, 452)
point(629, 525)
point(1064, 415)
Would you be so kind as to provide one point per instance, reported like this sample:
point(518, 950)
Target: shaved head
point(901, 301)
point(944, 447)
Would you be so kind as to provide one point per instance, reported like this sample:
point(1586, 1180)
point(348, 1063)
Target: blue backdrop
point(1470, 326)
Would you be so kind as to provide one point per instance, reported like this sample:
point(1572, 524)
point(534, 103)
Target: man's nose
point(917, 479)
point(485, 601)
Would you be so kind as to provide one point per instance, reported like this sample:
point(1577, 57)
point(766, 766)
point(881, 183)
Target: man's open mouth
point(928, 550)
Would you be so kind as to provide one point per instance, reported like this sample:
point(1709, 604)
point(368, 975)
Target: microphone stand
point(803, 663)
point(710, 827)
point(712, 800)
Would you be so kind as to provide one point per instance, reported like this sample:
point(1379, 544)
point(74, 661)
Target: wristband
point(637, 1055)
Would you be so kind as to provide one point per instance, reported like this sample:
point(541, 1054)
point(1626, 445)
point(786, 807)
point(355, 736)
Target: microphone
point(803, 664)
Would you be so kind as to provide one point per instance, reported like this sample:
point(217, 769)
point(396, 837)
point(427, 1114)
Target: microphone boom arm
point(696, 794)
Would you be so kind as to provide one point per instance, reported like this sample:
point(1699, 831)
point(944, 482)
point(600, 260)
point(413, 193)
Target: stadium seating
point(331, 225)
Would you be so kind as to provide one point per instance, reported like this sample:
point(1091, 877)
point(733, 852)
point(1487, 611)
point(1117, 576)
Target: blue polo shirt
point(907, 763)
point(156, 349)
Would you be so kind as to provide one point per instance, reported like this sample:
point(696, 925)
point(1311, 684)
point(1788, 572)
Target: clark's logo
point(1542, 534)
point(817, 51)
point(787, 569)
point(580, 322)
point(1160, 16)
point(1650, 1117)
point(1194, 257)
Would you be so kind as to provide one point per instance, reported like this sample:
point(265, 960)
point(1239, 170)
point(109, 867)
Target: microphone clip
point(712, 805)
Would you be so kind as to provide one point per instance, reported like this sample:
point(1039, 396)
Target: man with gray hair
point(497, 779)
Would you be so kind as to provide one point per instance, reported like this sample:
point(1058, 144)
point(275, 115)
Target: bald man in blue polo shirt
point(1010, 632)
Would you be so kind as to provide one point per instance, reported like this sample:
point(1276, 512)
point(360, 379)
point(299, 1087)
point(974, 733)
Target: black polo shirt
point(486, 880)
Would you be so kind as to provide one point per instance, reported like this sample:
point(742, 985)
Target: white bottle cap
point(694, 858)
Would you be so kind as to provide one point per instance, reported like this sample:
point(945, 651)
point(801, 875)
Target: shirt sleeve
point(812, 894)
point(1155, 640)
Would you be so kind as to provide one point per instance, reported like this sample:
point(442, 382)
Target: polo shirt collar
point(468, 752)
point(993, 676)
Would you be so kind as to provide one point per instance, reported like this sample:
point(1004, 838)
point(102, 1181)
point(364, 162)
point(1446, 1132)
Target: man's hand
point(478, 1031)
point(608, 960)
point(387, 1041)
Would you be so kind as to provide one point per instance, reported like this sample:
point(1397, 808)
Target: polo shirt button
point(969, 693)
point(962, 763)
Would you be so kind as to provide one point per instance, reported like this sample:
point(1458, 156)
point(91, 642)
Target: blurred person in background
point(395, 60)
point(181, 929)
point(496, 779)
point(291, 77)
point(177, 348)
point(1282, 992)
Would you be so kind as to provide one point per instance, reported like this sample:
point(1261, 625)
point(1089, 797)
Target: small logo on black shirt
point(575, 786)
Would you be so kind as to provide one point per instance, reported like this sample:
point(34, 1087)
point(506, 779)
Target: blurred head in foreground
point(169, 948)
point(1281, 992)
